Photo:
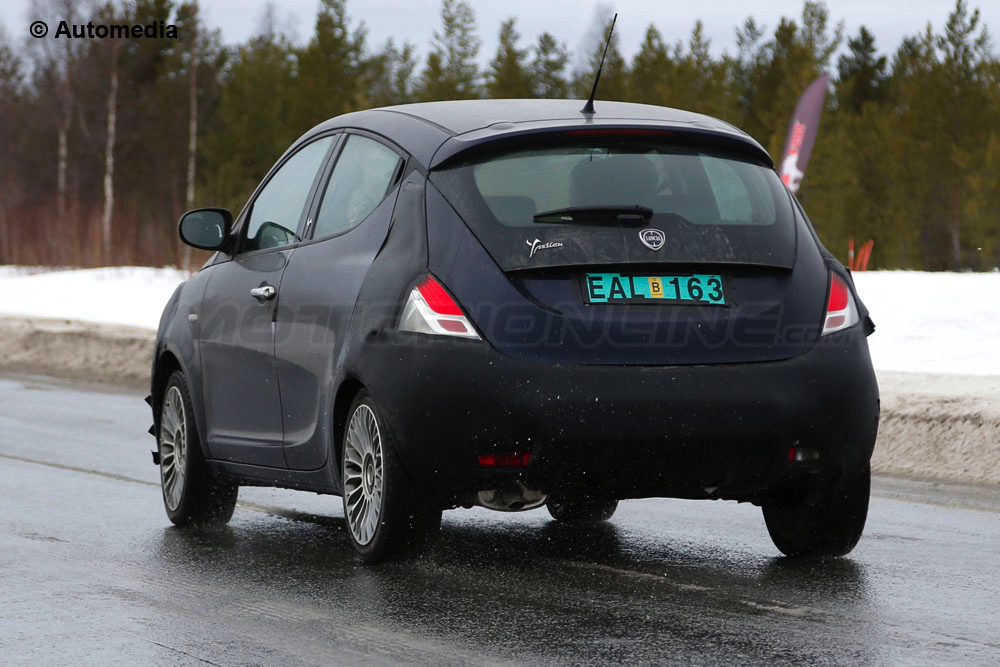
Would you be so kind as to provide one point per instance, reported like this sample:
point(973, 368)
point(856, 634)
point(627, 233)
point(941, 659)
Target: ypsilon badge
point(652, 238)
point(537, 245)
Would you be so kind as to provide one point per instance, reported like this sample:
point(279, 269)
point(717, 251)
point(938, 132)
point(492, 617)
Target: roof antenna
point(588, 108)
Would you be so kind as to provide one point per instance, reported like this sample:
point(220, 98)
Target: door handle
point(263, 292)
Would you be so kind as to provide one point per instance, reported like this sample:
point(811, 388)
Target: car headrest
point(617, 179)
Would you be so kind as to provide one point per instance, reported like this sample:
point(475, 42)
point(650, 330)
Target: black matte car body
point(552, 399)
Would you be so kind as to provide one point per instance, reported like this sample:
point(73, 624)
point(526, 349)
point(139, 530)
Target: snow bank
point(925, 322)
point(128, 295)
point(933, 322)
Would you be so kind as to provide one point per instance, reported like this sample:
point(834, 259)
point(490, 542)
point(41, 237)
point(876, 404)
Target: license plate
point(702, 288)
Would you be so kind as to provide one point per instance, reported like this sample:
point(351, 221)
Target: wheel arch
point(167, 362)
point(346, 393)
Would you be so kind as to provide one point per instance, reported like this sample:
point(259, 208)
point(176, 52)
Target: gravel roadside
point(101, 353)
point(939, 427)
point(936, 427)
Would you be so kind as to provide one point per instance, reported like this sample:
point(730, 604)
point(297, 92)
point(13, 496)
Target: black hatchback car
point(512, 303)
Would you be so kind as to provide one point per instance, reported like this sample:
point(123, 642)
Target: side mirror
point(206, 228)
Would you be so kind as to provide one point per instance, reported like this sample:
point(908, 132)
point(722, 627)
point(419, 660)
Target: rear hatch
point(620, 247)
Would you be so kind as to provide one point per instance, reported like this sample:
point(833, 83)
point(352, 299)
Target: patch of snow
point(127, 295)
point(933, 322)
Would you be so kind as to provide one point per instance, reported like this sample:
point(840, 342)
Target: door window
point(275, 215)
point(360, 181)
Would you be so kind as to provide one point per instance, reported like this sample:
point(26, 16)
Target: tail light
point(505, 460)
point(431, 310)
point(840, 309)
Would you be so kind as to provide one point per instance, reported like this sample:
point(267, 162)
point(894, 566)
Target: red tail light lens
point(505, 460)
point(839, 295)
point(431, 310)
point(840, 309)
point(437, 298)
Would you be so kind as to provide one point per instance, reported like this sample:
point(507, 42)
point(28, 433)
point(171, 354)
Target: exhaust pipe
point(513, 496)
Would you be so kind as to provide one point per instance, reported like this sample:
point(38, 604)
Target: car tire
point(581, 512)
point(830, 527)
point(386, 514)
point(191, 494)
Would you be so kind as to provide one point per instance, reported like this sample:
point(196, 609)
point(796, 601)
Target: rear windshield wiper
point(635, 213)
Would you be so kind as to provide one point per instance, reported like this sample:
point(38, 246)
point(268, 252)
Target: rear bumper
point(685, 431)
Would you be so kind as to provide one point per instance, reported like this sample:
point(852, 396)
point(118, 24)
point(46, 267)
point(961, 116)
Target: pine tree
point(773, 75)
point(747, 69)
point(390, 75)
point(852, 168)
point(330, 68)
point(917, 205)
point(434, 84)
point(246, 136)
point(509, 77)
point(862, 73)
point(549, 68)
point(451, 72)
point(698, 82)
point(964, 48)
point(815, 36)
point(652, 67)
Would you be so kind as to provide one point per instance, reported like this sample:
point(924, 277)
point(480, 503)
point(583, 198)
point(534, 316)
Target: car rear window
point(712, 206)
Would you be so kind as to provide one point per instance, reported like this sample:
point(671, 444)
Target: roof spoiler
point(490, 139)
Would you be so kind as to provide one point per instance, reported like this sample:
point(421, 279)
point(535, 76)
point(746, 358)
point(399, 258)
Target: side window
point(359, 183)
point(278, 207)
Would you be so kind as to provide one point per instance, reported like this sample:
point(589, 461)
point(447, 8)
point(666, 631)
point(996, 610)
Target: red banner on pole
point(802, 133)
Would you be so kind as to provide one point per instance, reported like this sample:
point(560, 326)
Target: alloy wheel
point(173, 447)
point(363, 475)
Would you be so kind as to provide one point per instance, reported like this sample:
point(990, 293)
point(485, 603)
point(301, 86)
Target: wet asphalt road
point(92, 573)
